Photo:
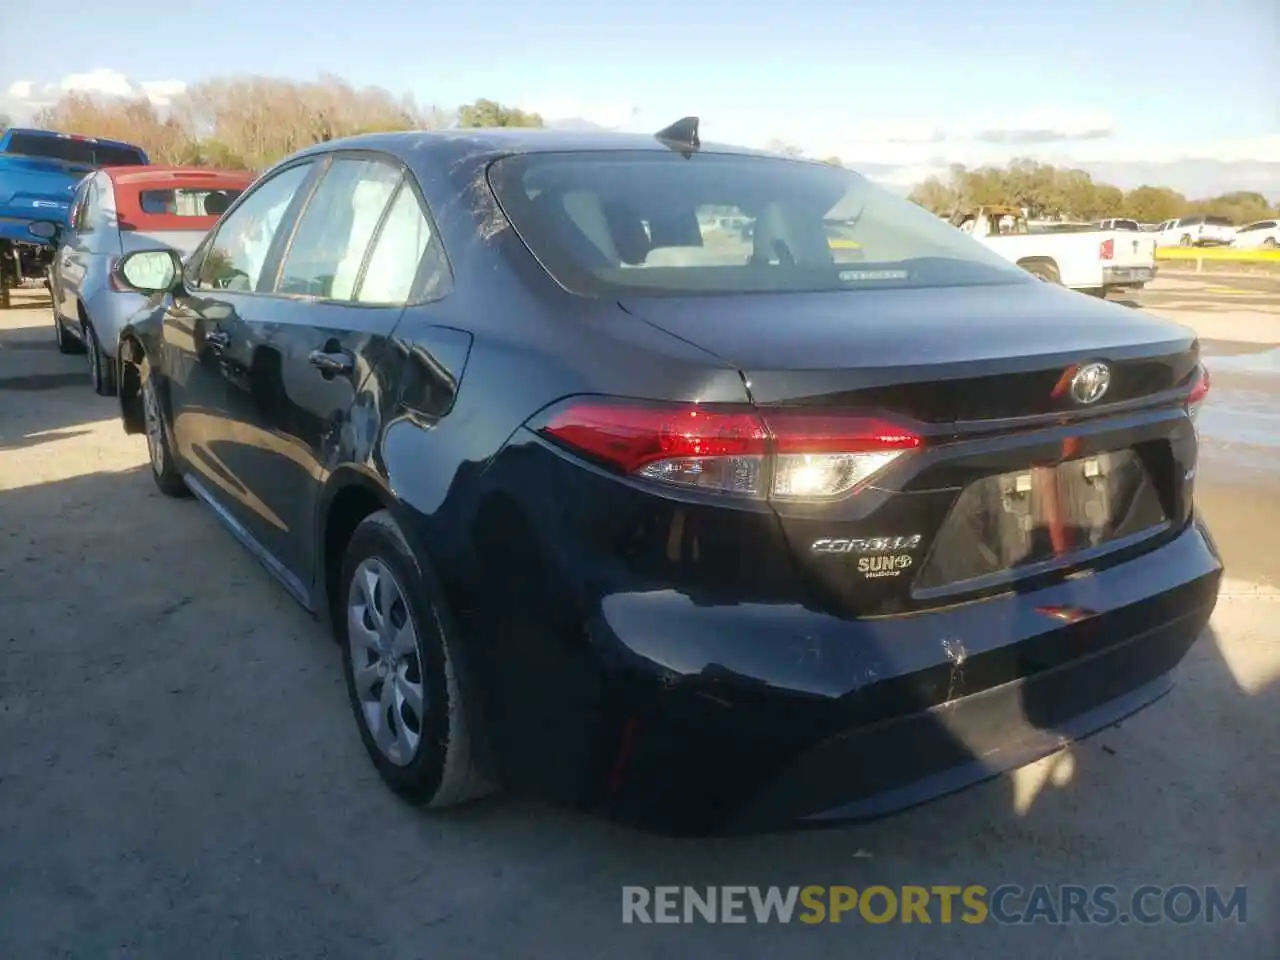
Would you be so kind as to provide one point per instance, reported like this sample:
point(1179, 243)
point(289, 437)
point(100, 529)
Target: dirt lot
point(180, 776)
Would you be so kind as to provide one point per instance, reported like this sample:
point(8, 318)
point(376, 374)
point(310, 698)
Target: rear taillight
point(1107, 250)
point(786, 453)
point(1199, 390)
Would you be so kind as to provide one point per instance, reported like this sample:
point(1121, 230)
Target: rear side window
point(656, 223)
point(186, 201)
point(85, 152)
point(403, 241)
point(1260, 225)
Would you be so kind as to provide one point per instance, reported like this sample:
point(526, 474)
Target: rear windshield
point(657, 223)
point(1124, 224)
point(187, 201)
point(1218, 221)
point(85, 152)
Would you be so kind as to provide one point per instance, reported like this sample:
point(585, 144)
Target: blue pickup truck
point(39, 171)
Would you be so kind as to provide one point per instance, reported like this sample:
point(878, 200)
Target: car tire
point(66, 342)
point(102, 370)
point(1270, 243)
point(165, 469)
point(1185, 241)
point(411, 699)
point(1043, 270)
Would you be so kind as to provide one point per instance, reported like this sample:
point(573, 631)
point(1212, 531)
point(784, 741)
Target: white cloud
point(24, 97)
point(904, 154)
point(111, 83)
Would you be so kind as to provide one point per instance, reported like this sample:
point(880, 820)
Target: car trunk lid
point(1021, 471)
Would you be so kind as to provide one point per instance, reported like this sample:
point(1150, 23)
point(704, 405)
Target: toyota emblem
point(1090, 383)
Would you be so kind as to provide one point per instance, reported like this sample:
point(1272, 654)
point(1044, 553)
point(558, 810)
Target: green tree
point(934, 195)
point(1153, 204)
point(1240, 206)
point(5, 122)
point(834, 161)
point(490, 113)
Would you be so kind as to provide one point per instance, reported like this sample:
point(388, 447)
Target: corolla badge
point(1090, 383)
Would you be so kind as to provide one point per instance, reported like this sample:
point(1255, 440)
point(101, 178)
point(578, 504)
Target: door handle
point(332, 362)
point(217, 339)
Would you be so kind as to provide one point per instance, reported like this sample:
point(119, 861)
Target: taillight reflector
point(788, 453)
point(1200, 388)
point(1108, 249)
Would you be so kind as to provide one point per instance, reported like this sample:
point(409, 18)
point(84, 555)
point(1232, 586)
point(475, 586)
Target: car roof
point(54, 134)
point(156, 175)
point(503, 141)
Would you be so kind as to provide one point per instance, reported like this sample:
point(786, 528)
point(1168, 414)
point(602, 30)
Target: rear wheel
point(7, 278)
point(102, 373)
point(1270, 243)
point(1045, 270)
point(403, 678)
point(66, 342)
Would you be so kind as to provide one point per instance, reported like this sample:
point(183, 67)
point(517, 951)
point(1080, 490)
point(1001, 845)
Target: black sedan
point(708, 528)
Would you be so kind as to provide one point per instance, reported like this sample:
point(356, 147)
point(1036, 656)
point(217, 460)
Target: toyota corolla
point(705, 528)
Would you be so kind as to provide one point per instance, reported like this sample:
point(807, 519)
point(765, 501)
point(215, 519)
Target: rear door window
point(328, 249)
point(76, 150)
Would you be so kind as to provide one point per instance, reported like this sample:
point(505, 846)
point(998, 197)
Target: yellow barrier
point(1217, 255)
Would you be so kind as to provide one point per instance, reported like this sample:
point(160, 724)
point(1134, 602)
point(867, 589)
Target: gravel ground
point(180, 775)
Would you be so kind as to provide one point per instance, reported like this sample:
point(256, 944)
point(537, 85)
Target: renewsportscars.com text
point(1008, 904)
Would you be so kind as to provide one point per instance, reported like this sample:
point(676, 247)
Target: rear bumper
point(791, 716)
point(1127, 276)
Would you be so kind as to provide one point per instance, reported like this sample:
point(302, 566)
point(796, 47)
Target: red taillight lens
point(1199, 390)
point(785, 453)
point(1108, 249)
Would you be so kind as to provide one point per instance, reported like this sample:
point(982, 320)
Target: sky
point(1172, 92)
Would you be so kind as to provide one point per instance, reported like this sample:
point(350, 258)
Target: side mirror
point(44, 229)
point(149, 271)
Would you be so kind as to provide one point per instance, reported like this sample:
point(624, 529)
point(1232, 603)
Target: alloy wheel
point(154, 426)
point(382, 641)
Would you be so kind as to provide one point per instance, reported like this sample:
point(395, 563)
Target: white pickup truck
point(1095, 261)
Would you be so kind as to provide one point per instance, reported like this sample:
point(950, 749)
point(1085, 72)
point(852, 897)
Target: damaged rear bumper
point(764, 717)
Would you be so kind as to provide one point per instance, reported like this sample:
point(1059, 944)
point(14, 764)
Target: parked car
point(1197, 231)
point(115, 211)
point(1259, 235)
point(1099, 262)
point(1119, 223)
point(39, 170)
point(704, 544)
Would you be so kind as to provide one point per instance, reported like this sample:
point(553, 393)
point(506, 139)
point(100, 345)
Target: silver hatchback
point(118, 210)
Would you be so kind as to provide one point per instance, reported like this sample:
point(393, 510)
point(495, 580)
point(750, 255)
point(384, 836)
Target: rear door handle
point(332, 362)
